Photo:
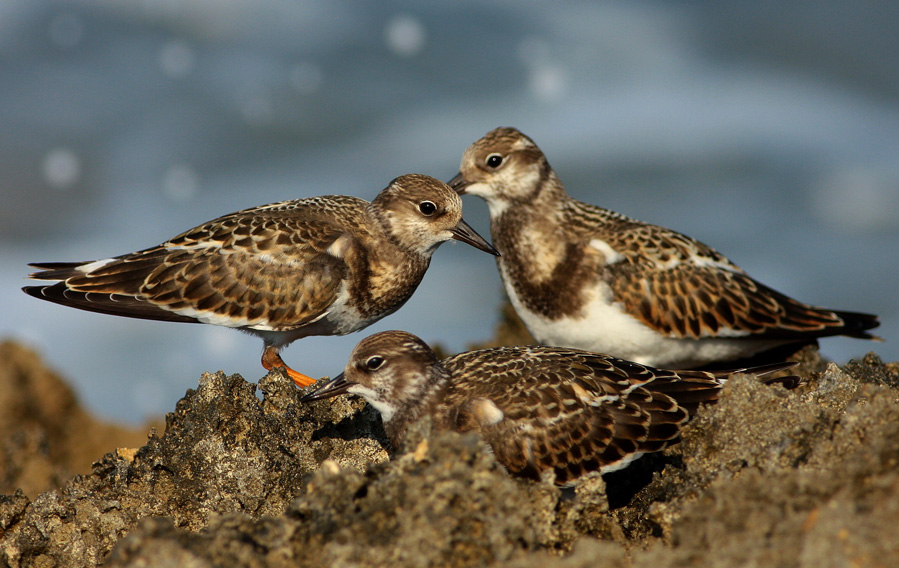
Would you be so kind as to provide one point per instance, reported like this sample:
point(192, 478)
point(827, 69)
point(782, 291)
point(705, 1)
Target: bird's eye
point(494, 161)
point(374, 362)
point(427, 208)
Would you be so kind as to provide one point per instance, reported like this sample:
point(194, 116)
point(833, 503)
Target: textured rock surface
point(223, 451)
point(765, 478)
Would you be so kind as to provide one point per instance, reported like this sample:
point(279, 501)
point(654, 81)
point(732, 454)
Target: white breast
point(603, 326)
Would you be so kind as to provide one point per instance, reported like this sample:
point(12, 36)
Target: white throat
point(495, 204)
point(387, 410)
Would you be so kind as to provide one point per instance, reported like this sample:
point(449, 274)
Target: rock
point(445, 503)
point(766, 477)
point(771, 477)
point(47, 437)
point(223, 450)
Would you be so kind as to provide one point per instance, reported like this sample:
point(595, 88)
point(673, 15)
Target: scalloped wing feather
point(689, 301)
point(243, 270)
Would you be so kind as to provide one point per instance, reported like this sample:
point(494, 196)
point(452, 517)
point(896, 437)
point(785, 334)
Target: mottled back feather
point(267, 264)
point(539, 408)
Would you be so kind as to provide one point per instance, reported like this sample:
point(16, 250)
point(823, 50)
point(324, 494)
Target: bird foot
point(271, 360)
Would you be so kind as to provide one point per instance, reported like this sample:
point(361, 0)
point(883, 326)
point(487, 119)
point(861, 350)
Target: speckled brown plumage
point(538, 408)
point(326, 265)
point(586, 277)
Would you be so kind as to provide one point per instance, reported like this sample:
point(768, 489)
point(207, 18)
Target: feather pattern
point(326, 265)
point(586, 277)
point(538, 408)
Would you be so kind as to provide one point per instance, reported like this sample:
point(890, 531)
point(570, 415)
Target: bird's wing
point(571, 412)
point(701, 301)
point(266, 268)
point(685, 289)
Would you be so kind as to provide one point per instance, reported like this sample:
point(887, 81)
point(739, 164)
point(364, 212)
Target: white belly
point(603, 327)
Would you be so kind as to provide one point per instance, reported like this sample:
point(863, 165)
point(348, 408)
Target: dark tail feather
point(56, 265)
point(112, 304)
point(788, 382)
point(55, 270)
point(856, 325)
point(762, 371)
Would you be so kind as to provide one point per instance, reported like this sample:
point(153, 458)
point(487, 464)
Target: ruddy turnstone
point(538, 408)
point(585, 277)
point(326, 265)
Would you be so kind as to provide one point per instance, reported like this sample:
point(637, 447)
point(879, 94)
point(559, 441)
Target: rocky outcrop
point(767, 477)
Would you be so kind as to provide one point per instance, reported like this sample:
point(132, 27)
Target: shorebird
point(326, 265)
point(583, 276)
point(538, 408)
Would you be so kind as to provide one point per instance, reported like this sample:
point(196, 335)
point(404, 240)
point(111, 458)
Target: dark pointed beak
point(458, 184)
point(337, 385)
point(463, 232)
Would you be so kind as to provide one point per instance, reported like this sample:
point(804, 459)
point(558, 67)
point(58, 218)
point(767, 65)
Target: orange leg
point(272, 359)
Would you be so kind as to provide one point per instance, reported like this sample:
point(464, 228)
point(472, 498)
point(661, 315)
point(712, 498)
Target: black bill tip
point(458, 184)
point(336, 386)
point(463, 232)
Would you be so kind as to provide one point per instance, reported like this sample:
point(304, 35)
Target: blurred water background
point(769, 130)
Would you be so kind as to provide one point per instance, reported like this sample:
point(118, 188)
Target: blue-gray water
point(770, 132)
